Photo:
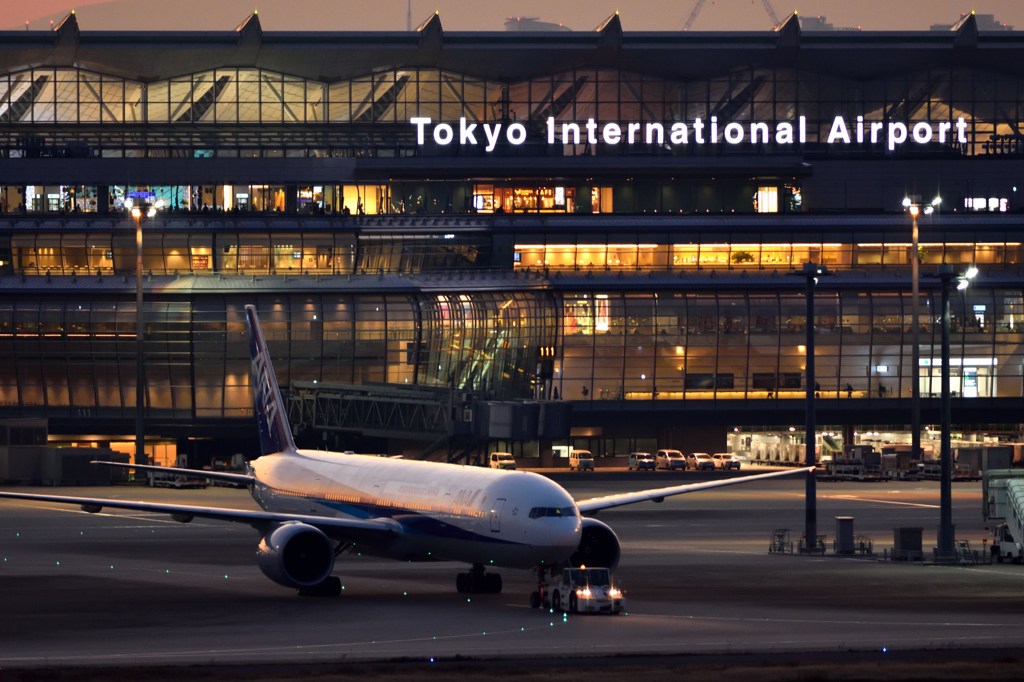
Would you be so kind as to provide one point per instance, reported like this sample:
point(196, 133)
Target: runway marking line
point(985, 570)
point(854, 498)
point(813, 621)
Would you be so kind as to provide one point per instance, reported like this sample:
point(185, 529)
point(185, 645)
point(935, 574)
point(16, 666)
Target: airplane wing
point(346, 530)
point(197, 473)
point(596, 504)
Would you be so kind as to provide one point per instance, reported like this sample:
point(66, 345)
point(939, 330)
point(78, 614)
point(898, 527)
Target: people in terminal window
point(849, 391)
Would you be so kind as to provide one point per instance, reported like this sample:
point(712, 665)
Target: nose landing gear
point(478, 582)
point(541, 598)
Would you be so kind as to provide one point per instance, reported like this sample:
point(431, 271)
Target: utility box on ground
point(844, 535)
point(907, 544)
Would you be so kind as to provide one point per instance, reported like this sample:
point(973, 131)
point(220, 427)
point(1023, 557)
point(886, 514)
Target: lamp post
point(946, 540)
point(140, 433)
point(915, 262)
point(810, 272)
point(140, 375)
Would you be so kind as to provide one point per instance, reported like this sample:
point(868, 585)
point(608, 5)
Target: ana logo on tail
point(275, 435)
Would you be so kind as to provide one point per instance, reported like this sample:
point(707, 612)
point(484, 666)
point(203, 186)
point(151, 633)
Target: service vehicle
point(641, 460)
point(1004, 547)
point(581, 460)
point(159, 479)
point(702, 460)
point(502, 460)
point(725, 460)
point(585, 590)
point(1002, 494)
point(670, 459)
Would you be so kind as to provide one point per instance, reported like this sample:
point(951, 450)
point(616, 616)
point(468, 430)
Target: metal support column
point(811, 496)
point(915, 388)
point(140, 377)
point(946, 544)
point(810, 272)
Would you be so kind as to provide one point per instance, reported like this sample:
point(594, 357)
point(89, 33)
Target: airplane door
point(496, 515)
point(375, 497)
point(317, 488)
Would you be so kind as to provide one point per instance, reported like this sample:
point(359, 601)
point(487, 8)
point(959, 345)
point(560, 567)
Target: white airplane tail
point(275, 434)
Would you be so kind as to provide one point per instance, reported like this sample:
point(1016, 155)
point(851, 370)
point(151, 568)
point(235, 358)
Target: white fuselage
point(442, 511)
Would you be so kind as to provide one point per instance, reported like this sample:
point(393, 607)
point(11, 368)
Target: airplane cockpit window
point(538, 512)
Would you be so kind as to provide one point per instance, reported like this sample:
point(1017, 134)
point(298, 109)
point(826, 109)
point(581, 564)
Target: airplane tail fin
point(275, 434)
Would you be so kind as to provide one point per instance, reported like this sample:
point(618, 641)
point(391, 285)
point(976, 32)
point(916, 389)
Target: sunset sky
point(293, 15)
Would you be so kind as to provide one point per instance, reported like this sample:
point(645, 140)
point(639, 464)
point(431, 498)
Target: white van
point(581, 460)
point(502, 460)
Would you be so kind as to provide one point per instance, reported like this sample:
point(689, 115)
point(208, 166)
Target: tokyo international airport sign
point(696, 132)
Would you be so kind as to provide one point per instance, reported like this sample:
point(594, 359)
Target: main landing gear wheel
point(478, 582)
point(330, 587)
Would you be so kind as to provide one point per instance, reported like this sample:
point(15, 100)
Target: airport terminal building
point(608, 220)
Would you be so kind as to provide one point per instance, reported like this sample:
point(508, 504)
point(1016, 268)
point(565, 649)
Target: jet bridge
point(380, 410)
point(1003, 498)
point(441, 417)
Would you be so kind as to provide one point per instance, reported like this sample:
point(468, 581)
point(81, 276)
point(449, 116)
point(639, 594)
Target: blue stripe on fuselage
point(413, 522)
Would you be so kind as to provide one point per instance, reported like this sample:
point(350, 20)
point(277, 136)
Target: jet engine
point(599, 546)
point(296, 555)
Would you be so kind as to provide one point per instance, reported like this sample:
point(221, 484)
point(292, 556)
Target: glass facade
point(357, 110)
point(75, 356)
point(750, 345)
point(365, 245)
point(70, 353)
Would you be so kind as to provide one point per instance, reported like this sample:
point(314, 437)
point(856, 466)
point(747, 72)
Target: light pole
point(946, 541)
point(915, 388)
point(140, 375)
point(140, 433)
point(810, 272)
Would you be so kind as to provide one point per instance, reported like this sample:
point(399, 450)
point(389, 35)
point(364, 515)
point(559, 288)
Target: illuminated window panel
point(767, 200)
point(714, 255)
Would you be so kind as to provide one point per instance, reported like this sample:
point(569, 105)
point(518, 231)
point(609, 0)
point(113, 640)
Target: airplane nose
point(569, 535)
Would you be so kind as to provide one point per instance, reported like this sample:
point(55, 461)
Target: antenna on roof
point(408, 16)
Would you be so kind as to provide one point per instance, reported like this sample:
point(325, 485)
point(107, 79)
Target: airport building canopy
point(508, 56)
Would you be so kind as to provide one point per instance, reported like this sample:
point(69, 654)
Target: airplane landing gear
point(330, 587)
point(478, 582)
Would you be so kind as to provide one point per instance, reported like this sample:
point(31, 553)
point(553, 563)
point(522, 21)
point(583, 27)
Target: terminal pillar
point(547, 458)
point(291, 198)
point(103, 199)
point(847, 435)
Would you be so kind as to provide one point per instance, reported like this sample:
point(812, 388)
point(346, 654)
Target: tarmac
point(133, 589)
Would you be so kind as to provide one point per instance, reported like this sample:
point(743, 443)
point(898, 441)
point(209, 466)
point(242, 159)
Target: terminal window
point(767, 200)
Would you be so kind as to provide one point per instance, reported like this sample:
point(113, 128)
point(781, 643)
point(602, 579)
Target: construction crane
point(700, 5)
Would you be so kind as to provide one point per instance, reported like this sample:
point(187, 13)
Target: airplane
point(314, 505)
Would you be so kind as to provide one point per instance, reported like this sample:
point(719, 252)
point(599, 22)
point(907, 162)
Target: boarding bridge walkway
point(380, 410)
point(1015, 509)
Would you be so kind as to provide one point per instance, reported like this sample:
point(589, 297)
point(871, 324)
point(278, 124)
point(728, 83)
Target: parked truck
point(899, 462)
point(855, 463)
point(1003, 503)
